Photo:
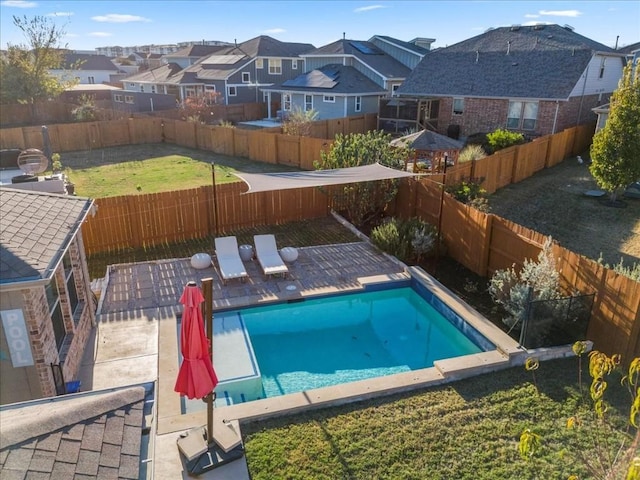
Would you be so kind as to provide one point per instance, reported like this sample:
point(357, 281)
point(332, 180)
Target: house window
point(458, 106)
point(128, 99)
point(294, 64)
point(132, 85)
point(286, 102)
point(329, 99)
point(275, 66)
point(522, 115)
point(153, 89)
point(142, 88)
point(190, 91)
point(92, 80)
point(55, 310)
point(602, 64)
point(245, 77)
point(265, 97)
point(358, 104)
point(308, 103)
point(259, 63)
point(394, 88)
point(71, 285)
point(210, 94)
point(232, 91)
point(118, 98)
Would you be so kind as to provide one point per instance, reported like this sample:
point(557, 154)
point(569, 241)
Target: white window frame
point(394, 88)
point(142, 88)
point(118, 98)
point(286, 101)
point(329, 99)
point(275, 66)
point(527, 112)
point(154, 89)
point(308, 102)
point(259, 63)
point(459, 108)
point(358, 103)
point(91, 79)
point(265, 97)
point(210, 90)
point(232, 91)
point(128, 99)
point(246, 77)
point(294, 64)
point(190, 91)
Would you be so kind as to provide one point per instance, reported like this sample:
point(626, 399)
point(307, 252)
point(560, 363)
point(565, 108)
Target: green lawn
point(467, 430)
point(147, 176)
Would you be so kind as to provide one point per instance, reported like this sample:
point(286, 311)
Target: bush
point(408, 240)
point(471, 193)
point(503, 138)
point(471, 153)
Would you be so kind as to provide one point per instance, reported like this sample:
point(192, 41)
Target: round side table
point(246, 252)
point(201, 260)
point(289, 254)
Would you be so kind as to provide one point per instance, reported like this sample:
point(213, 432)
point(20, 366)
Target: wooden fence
point(485, 243)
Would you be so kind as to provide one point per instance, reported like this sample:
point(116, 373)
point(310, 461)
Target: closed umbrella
point(196, 378)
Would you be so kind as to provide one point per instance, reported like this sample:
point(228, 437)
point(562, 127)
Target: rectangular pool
point(278, 349)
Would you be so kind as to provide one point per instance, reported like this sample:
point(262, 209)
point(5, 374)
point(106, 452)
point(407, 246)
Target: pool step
point(462, 367)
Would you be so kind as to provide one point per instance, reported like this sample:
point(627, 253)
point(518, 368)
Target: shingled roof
point(367, 53)
point(90, 436)
point(160, 74)
point(85, 61)
point(541, 61)
point(331, 79)
point(35, 230)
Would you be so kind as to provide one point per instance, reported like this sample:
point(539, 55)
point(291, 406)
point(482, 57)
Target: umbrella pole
point(207, 305)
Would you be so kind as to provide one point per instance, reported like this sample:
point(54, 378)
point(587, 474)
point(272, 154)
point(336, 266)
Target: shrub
point(408, 240)
point(471, 193)
point(500, 139)
point(86, 110)
point(471, 152)
point(299, 122)
point(535, 281)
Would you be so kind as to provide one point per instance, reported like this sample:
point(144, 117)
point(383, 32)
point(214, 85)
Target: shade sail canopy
point(266, 182)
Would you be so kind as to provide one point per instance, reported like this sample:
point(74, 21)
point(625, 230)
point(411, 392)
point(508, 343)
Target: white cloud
point(18, 4)
point(533, 24)
point(369, 8)
point(560, 13)
point(275, 30)
point(59, 14)
point(100, 34)
point(532, 15)
point(119, 18)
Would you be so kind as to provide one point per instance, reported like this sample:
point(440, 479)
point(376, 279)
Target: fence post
point(134, 220)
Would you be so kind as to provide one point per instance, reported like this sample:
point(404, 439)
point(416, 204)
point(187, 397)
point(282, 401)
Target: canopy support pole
point(207, 311)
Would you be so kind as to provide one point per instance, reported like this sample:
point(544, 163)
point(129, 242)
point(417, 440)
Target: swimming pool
point(278, 349)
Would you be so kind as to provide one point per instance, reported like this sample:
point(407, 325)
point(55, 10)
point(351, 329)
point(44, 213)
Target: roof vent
point(568, 27)
point(515, 28)
point(538, 26)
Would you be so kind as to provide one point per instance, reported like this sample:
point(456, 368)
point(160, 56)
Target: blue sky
point(90, 24)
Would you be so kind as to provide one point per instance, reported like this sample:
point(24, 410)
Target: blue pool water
point(278, 349)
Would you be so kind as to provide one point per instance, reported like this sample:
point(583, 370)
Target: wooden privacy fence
point(145, 220)
point(485, 243)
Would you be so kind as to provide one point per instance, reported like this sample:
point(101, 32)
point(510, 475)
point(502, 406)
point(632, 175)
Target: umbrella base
point(200, 457)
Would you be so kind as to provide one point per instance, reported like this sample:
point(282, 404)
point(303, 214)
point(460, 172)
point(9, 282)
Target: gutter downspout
point(555, 117)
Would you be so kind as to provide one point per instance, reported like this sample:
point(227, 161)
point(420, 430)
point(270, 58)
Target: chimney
point(344, 35)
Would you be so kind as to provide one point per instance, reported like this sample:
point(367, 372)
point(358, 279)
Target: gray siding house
point(536, 80)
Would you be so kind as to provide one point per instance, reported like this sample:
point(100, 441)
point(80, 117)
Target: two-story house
point(348, 77)
point(86, 69)
point(536, 80)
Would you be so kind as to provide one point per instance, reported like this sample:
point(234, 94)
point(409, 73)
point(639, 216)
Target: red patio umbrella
point(196, 378)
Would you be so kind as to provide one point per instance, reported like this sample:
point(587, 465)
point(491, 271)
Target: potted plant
point(56, 164)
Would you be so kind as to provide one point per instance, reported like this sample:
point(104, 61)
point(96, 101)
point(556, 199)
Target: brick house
point(46, 304)
point(536, 80)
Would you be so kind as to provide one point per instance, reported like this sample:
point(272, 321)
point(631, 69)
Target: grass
point(466, 430)
point(151, 168)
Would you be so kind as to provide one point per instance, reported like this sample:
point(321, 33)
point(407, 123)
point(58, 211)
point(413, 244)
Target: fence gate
point(554, 322)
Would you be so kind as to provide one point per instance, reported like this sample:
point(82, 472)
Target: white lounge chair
point(229, 260)
point(268, 256)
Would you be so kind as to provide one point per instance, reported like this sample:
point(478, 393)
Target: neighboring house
point(190, 55)
point(46, 304)
point(146, 60)
point(536, 80)
point(633, 55)
point(87, 69)
point(94, 435)
point(408, 53)
point(231, 75)
point(333, 91)
point(347, 77)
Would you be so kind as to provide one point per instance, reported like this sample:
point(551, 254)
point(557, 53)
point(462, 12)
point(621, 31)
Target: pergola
point(432, 150)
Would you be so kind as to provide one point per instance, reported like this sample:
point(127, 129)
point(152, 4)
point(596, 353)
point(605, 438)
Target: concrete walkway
point(136, 338)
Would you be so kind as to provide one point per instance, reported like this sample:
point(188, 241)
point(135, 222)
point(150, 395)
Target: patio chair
point(268, 256)
point(229, 260)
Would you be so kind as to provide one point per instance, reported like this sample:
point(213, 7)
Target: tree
point(24, 70)
point(615, 151)
point(364, 201)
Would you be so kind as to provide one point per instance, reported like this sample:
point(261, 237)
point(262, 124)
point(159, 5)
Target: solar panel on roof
point(364, 48)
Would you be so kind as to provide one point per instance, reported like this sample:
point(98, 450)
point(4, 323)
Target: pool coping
point(507, 353)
